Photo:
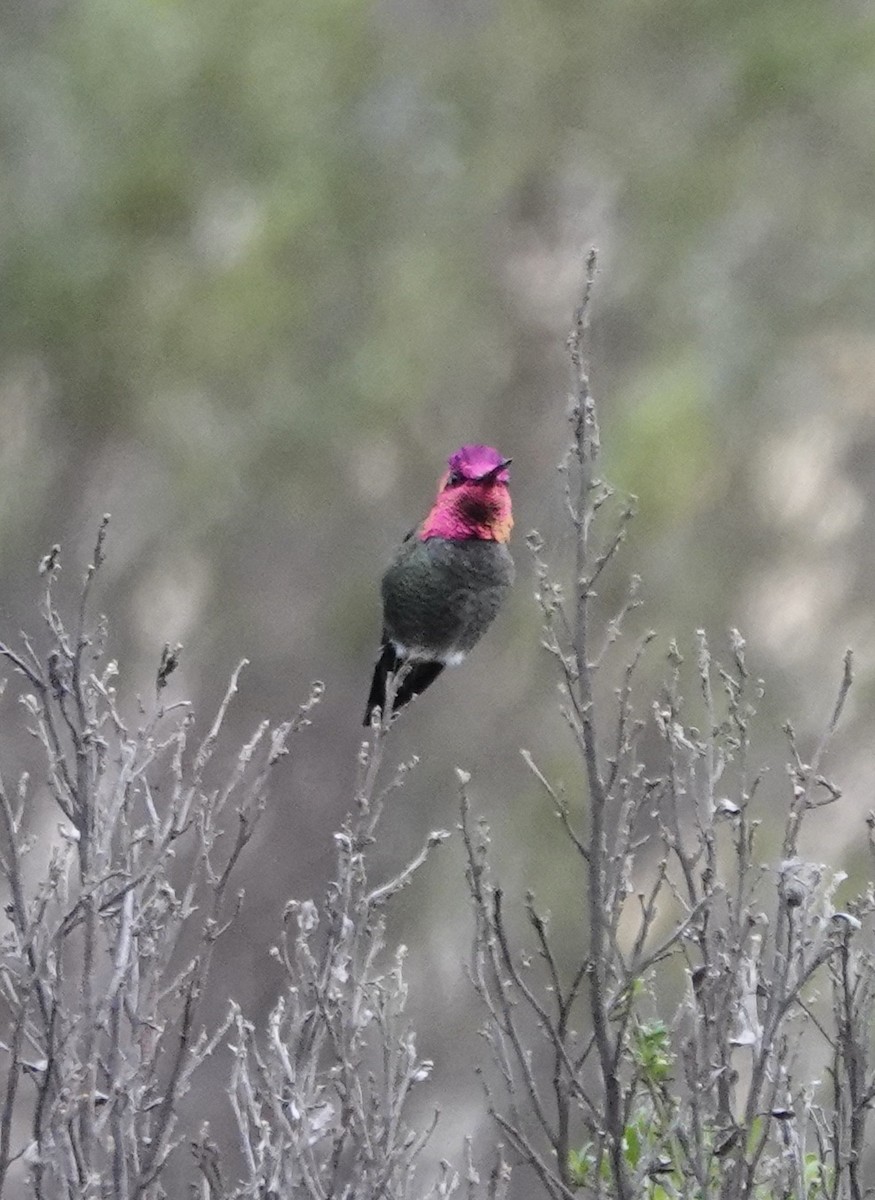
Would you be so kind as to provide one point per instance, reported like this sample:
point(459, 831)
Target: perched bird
point(448, 578)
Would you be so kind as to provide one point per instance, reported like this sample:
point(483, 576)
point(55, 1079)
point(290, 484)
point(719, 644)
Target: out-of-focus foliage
point(265, 265)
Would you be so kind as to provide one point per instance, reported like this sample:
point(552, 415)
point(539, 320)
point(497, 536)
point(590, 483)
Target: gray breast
point(440, 596)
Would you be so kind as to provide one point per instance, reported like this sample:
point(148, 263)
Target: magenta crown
point(474, 462)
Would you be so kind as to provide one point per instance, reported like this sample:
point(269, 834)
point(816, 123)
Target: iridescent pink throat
point(470, 511)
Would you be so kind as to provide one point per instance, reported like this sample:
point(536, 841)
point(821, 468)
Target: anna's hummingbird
point(449, 576)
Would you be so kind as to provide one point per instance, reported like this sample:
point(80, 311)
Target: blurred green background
point(265, 265)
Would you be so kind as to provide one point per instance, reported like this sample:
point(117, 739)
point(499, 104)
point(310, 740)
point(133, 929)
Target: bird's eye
point(455, 478)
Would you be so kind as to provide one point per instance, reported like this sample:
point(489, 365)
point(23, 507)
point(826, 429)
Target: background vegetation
point(266, 266)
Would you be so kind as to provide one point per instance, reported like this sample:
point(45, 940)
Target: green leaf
point(632, 1145)
point(753, 1135)
point(651, 1050)
point(580, 1164)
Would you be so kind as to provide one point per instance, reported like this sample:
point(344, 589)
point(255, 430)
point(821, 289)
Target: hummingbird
point(448, 578)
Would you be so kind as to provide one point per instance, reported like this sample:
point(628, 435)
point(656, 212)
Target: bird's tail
point(416, 679)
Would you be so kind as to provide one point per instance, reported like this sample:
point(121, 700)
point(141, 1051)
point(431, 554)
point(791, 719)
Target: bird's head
point(473, 499)
point(481, 466)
